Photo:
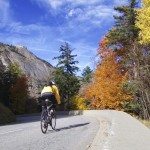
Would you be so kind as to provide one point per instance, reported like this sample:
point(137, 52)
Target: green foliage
point(66, 60)
point(14, 89)
point(6, 116)
point(132, 107)
point(86, 75)
point(14, 69)
point(31, 106)
point(65, 76)
point(130, 86)
point(19, 95)
point(124, 31)
point(8, 77)
point(131, 24)
point(68, 85)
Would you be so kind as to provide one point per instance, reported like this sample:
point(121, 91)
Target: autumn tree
point(106, 90)
point(143, 22)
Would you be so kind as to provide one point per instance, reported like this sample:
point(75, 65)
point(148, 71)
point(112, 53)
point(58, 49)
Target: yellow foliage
point(79, 103)
point(146, 3)
point(143, 22)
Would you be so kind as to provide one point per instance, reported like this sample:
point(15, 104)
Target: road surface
point(74, 133)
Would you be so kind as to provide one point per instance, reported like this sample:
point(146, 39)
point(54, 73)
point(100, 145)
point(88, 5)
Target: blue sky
point(43, 25)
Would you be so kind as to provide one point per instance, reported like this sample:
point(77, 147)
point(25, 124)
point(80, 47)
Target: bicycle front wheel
point(44, 123)
point(53, 120)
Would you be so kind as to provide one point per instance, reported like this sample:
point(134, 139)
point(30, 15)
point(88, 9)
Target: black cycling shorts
point(49, 96)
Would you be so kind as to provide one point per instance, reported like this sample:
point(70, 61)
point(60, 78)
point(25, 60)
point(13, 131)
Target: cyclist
point(51, 92)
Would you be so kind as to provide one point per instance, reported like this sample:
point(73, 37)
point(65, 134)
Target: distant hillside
point(38, 70)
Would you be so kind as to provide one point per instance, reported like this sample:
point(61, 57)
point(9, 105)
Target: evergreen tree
point(65, 76)
point(86, 75)
point(14, 89)
point(134, 57)
point(124, 32)
point(19, 95)
point(7, 78)
point(66, 60)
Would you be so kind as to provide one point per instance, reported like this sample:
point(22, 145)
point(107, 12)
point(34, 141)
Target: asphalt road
point(74, 133)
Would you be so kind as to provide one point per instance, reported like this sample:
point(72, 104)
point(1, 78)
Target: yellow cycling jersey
point(47, 89)
point(52, 89)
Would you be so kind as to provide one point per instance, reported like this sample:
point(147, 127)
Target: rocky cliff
point(37, 70)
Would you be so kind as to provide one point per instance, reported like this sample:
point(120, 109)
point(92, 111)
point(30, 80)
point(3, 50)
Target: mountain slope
point(38, 70)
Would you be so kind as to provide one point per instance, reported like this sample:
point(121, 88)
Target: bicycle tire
point(53, 120)
point(44, 123)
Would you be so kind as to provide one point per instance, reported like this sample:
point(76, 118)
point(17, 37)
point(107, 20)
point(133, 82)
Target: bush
point(79, 103)
point(6, 116)
point(19, 95)
point(132, 107)
point(31, 106)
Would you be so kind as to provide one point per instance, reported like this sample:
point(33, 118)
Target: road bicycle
point(48, 116)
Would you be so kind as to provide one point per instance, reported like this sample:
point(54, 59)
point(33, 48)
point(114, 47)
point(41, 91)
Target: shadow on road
point(72, 126)
point(31, 119)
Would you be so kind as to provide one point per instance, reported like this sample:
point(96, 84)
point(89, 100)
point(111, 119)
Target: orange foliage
point(106, 90)
point(103, 50)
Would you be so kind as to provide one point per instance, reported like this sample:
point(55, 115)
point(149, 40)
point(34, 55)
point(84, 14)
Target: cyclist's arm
point(57, 96)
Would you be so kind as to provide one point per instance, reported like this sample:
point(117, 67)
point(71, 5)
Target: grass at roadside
point(145, 122)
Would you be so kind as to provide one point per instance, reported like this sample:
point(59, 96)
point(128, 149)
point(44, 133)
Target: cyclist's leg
point(54, 102)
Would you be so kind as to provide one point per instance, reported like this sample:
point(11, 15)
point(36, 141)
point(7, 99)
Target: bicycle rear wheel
point(44, 123)
point(53, 120)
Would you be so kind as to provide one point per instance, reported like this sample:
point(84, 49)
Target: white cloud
point(86, 53)
point(4, 12)
point(82, 17)
point(91, 13)
point(56, 4)
point(84, 2)
point(120, 2)
point(74, 12)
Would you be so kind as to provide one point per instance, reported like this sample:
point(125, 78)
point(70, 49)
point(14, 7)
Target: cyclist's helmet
point(51, 83)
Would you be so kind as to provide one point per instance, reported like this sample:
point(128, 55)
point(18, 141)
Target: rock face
point(37, 70)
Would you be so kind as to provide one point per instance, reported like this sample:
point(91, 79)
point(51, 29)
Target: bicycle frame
point(47, 115)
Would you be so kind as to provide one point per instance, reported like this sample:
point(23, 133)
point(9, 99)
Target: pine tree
point(124, 32)
point(14, 89)
point(7, 79)
point(123, 38)
point(65, 76)
point(86, 75)
point(66, 60)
